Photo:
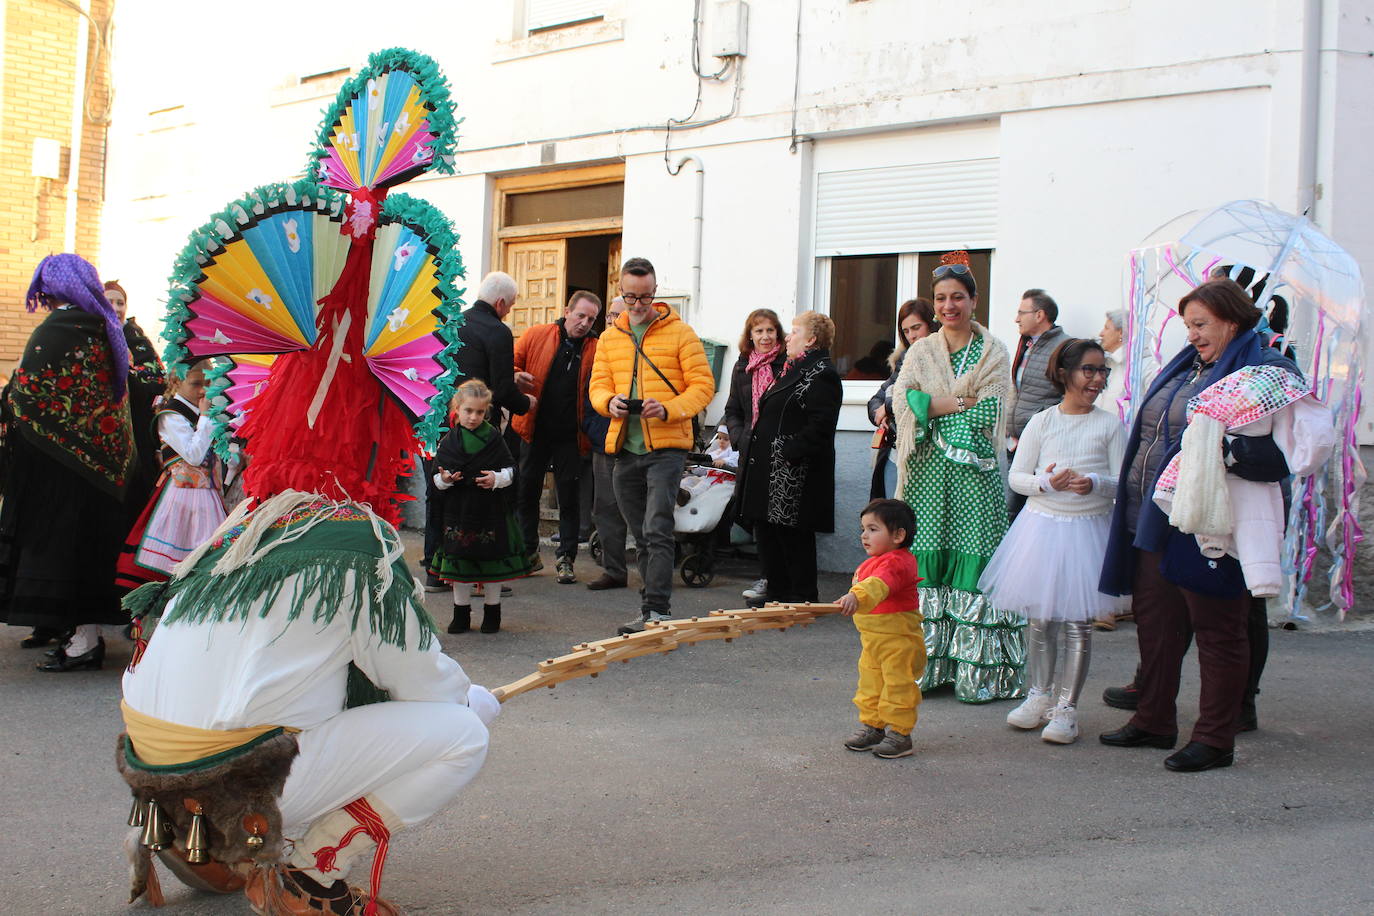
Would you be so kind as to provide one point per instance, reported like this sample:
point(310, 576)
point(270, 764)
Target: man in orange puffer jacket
point(651, 378)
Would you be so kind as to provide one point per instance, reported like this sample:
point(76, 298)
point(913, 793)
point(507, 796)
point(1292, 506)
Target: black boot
point(1249, 717)
point(42, 636)
point(462, 618)
point(491, 618)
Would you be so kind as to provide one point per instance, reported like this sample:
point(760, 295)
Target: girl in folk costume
point(186, 507)
point(1048, 564)
point(482, 540)
point(950, 405)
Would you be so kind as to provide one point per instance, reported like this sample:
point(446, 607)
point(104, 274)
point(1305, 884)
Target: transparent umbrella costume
point(1323, 287)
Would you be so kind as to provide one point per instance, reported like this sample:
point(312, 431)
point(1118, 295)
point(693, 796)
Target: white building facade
point(815, 154)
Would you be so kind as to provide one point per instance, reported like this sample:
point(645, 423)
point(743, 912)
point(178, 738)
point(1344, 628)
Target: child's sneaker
point(894, 744)
point(865, 739)
point(1063, 727)
point(1032, 713)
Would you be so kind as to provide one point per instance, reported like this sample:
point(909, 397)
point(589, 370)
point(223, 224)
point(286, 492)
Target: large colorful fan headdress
point(336, 303)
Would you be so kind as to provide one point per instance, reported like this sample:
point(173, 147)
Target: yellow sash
point(161, 743)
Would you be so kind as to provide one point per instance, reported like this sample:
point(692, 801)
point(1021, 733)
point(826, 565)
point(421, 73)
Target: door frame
point(506, 185)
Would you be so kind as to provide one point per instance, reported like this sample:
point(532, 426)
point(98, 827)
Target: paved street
point(711, 780)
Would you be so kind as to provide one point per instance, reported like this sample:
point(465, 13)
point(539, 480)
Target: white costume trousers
point(413, 757)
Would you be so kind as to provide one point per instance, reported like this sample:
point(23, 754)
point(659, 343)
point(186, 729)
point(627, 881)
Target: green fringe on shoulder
point(320, 577)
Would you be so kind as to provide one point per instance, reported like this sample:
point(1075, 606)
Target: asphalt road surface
point(712, 780)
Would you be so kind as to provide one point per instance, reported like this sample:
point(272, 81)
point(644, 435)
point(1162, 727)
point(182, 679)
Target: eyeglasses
point(631, 298)
point(944, 270)
point(1090, 371)
point(1026, 311)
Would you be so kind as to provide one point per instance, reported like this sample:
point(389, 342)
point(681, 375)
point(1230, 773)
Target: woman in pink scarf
point(761, 357)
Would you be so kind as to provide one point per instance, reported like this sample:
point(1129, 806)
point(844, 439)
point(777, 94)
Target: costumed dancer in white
point(1048, 564)
point(293, 709)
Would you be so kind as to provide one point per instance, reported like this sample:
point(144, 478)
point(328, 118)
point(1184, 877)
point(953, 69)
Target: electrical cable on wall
point(104, 35)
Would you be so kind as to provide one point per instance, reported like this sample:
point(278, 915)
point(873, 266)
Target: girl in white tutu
point(1048, 564)
point(186, 507)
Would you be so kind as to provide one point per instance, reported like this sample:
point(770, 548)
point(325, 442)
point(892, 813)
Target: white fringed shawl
point(927, 368)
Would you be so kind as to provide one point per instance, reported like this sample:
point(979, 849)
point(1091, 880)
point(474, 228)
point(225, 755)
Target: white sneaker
point(756, 591)
point(1063, 727)
point(1031, 714)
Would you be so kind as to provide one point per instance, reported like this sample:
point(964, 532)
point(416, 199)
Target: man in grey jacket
point(1032, 391)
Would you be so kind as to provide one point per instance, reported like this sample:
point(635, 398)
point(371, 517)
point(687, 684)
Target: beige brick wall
point(36, 95)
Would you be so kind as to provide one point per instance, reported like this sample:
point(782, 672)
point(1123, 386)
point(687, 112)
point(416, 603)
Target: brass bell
point(136, 814)
point(197, 844)
point(255, 825)
point(156, 834)
point(255, 841)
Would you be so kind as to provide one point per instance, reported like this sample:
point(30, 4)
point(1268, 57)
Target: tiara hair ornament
point(955, 257)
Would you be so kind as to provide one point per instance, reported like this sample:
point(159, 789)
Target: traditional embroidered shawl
point(927, 368)
point(64, 403)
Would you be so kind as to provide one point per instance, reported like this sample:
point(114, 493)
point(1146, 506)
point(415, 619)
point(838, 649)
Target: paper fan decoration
point(336, 304)
point(249, 280)
point(391, 122)
point(232, 384)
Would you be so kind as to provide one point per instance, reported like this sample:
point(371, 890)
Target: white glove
point(483, 702)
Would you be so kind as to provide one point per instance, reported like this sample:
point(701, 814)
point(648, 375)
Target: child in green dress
point(481, 534)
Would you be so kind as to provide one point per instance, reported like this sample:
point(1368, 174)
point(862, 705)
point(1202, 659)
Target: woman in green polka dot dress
point(950, 405)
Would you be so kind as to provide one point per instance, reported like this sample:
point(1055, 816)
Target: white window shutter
point(543, 14)
point(938, 206)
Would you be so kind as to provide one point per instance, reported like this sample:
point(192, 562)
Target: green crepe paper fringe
point(148, 599)
point(441, 241)
point(216, 383)
point(320, 580)
point(434, 93)
point(210, 240)
point(361, 691)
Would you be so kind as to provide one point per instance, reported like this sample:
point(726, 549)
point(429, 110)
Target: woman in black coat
point(761, 355)
point(788, 483)
point(915, 320)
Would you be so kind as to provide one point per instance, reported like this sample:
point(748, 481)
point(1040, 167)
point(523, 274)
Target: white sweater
point(1091, 444)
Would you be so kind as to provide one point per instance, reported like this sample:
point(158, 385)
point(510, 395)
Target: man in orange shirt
point(553, 362)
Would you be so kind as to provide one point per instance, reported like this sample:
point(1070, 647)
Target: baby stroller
point(706, 493)
point(709, 492)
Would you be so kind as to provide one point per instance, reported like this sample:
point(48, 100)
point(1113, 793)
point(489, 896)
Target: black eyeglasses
point(631, 298)
point(959, 270)
point(1090, 371)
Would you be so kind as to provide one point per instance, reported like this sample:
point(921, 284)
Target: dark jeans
point(536, 458)
point(610, 524)
point(1167, 618)
point(587, 494)
point(646, 487)
point(434, 514)
point(788, 557)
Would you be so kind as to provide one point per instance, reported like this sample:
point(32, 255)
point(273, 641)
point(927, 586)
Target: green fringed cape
point(319, 560)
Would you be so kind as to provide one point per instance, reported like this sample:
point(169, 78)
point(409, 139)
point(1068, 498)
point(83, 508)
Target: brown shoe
point(212, 877)
point(281, 890)
point(605, 581)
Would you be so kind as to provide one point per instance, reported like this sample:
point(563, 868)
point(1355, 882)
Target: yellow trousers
point(892, 661)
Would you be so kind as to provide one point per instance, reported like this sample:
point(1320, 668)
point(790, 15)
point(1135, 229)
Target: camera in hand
point(634, 405)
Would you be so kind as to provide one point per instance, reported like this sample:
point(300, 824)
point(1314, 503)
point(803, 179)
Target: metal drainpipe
point(1310, 113)
point(83, 39)
point(698, 223)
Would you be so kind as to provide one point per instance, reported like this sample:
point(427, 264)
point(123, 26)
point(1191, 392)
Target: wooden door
point(539, 269)
point(613, 271)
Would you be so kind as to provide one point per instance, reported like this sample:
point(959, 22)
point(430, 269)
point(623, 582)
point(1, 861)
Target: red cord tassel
point(369, 822)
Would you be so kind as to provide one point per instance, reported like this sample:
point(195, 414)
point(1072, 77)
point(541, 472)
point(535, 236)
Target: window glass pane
point(981, 262)
point(556, 206)
point(548, 14)
point(863, 305)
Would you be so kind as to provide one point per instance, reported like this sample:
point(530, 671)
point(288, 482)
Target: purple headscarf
point(71, 278)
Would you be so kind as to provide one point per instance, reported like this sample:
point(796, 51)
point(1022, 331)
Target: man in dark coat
point(1032, 390)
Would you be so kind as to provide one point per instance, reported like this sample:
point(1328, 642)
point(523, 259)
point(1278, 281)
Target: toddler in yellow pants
point(885, 606)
